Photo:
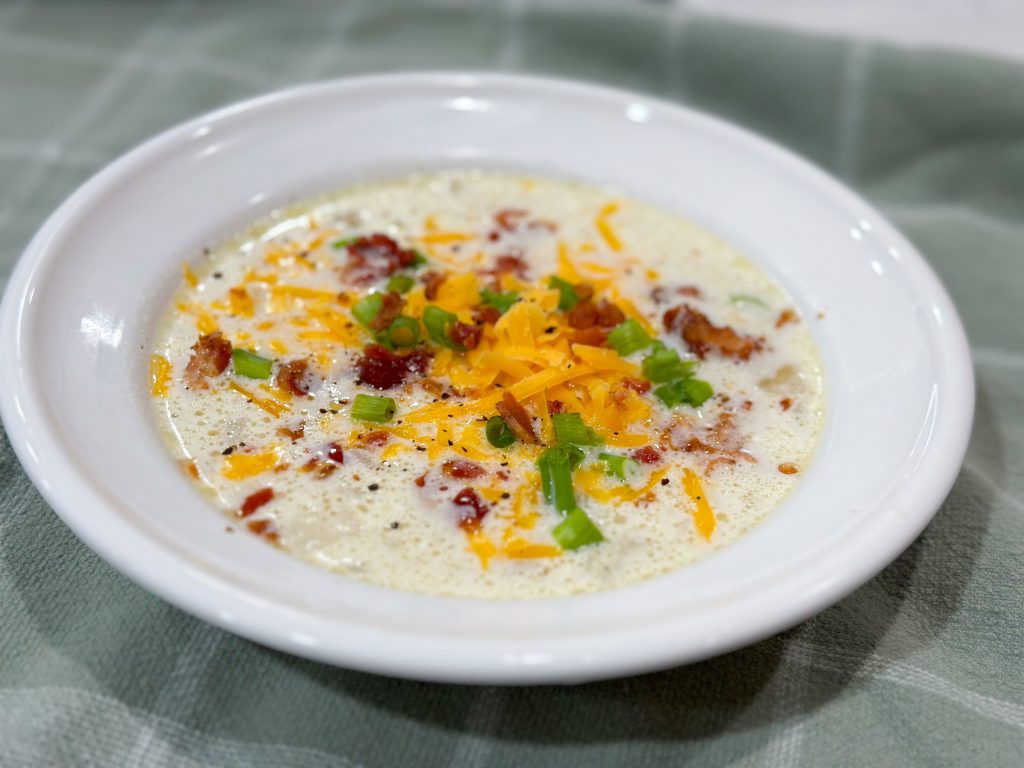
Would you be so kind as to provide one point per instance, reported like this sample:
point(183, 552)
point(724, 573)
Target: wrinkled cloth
point(920, 667)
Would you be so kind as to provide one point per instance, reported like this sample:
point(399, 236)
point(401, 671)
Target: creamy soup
point(487, 385)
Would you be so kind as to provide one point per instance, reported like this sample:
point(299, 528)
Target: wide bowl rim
point(143, 560)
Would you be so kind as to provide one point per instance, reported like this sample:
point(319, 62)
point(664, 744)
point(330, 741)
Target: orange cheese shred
point(605, 228)
point(481, 546)
point(271, 406)
point(239, 466)
point(703, 515)
point(159, 375)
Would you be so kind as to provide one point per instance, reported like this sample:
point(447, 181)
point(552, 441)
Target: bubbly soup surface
point(487, 385)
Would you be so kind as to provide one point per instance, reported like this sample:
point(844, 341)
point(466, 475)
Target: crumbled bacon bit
point(696, 445)
point(486, 315)
point(556, 406)
point(511, 263)
point(294, 377)
point(466, 335)
point(431, 283)
point(510, 219)
point(700, 334)
point(593, 337)
point(336, 453)
point(584, 315)
point(210, 356)
point(786, 316)
point(609, 315)
point(647, 455)
point(746, 405)
point(421, 480)
point(377, 437)
point(718, 460)
point(390, 308)
point(788, 469)
point(255, 500)
point(433, 386)
point(516, 417)
point(293, 434)
point(785, 403)
point(472, 510)
point(661, 294)
point(322, 468)
point(640, 386)
point(382, 369)
point(375, 257)
point(264, 528)
point(462, 469)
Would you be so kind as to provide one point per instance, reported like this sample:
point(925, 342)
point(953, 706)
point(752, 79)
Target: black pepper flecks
point(373, 487)
point(664, 481)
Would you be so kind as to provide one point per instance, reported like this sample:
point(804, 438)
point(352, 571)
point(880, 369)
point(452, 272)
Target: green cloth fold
point(923, 666)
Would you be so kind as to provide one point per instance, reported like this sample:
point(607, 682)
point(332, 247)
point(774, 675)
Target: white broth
point(267, 418)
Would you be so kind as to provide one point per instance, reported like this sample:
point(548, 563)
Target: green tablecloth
point(922, 666)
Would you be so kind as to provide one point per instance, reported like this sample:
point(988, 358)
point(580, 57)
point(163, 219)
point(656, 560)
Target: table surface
point(924, 665)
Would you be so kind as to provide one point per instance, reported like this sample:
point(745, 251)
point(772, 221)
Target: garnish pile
point(532, 395)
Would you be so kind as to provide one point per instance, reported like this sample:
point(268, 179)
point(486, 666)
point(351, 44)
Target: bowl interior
point(82, 308)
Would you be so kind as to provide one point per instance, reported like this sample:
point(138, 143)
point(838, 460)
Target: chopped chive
point(568, 298)
point(570, 428)
point(576, 530)
point(439, 326)
point(664, 365)
point(345, 242)
point(249, 364)
point(693, 392)
point(373, 408)
point(741, 299)
point(619, 466)
point(367, 308)
point(629, 337)
point(500, 301)
point(404, 331)
point(498, 432)
point(418, 260)
point(556, 465)
point(400, 283)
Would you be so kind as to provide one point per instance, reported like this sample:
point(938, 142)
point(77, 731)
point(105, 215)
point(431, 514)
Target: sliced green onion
point(250, 365)
point(576, 530)
point(619, 466)
point(629, 337)
point(439, 326)
point(400, 283)
point(404, 331)
point(568, 298)
point(345, 242)
point(570, 428)
point(367, 308)
point(498, 432)
point(373, 408)
point(740, 299)
point(690, 391)
point(500, 301)
point(418, 260)
point(556, 465)
point(664, 365)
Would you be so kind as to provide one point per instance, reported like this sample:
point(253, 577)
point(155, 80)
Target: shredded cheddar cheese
point(703, 515)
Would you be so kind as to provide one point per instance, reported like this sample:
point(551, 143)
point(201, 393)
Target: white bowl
point(79, 313)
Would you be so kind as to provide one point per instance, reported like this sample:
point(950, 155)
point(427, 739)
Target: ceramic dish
point(80, 309)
